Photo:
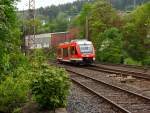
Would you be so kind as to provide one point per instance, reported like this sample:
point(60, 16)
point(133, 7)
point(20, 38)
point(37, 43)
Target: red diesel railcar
point(76, 51)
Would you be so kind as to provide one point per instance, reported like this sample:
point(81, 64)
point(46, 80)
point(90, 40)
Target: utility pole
point(87, 28)
point(134, 4)
point(24, 30)
point(23, 47)
point(110, 2)
point(31, 28)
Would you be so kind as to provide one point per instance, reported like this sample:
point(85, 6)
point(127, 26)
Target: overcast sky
point(41, 3)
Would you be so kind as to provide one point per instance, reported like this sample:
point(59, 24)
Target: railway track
point(125, 80)
point(126, 101)
point(130, 100)
point(126, 66)
point(142, 69)
point(119, 72)
point(84, 100)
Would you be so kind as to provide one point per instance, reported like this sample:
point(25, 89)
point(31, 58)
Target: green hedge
point(50, 87)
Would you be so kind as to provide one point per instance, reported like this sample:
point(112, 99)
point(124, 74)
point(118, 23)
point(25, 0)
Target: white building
point(38, 41)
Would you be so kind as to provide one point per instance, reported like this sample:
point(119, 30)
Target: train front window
point(86, 48)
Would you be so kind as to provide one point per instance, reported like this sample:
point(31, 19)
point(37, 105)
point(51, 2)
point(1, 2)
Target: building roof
point(45, 35)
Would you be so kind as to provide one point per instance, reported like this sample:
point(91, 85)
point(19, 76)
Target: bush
point(146, 61)
point(13, 93)
point(50, 87)
point(50, 54)
point(111, 56)
point(130, 61)
point(37, 56)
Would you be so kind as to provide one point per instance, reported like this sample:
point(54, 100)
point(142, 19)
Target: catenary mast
point(31, 27)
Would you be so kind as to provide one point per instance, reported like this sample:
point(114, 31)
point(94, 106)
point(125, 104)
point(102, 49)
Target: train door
point(59, 54)
point(65, 54)
point(73, 52)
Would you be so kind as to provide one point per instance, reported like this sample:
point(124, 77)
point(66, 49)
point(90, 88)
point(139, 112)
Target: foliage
point(146, 60)
point(117, 38)
point(53, 18)
point(14, 91)
point(48, 16)
point(17, 110)
point(50, 53)
point(130, 61)
point(110, 48)
point(104, 24)
point(133, 45)
point(126, 4)
point(9, 38)
point(37, 57)
point(84, 12)
point(14, 76)
point(136, 32)
point(50, 87)
point(80, 20)
point(70, 9)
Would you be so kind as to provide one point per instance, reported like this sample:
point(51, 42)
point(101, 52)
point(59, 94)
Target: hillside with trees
point(126, 5)
point(58, 18)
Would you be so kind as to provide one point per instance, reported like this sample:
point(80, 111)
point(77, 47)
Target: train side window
point(65, 52)
point(73, 51)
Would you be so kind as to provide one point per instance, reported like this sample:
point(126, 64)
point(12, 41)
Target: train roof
point(78, 41)
point(82, 41)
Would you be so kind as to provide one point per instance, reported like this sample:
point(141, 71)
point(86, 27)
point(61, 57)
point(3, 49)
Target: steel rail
point(96, 93)
point(119, 72)
point(125, 65)
point(111, 85)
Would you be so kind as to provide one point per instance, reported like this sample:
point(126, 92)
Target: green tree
point(136, 33)
point(109, 46)
point(80, 20)
point(101, 17)
point(61, 22)
point(132, 43)
point(9, 38)
point(103, 30)
point(13, 64)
